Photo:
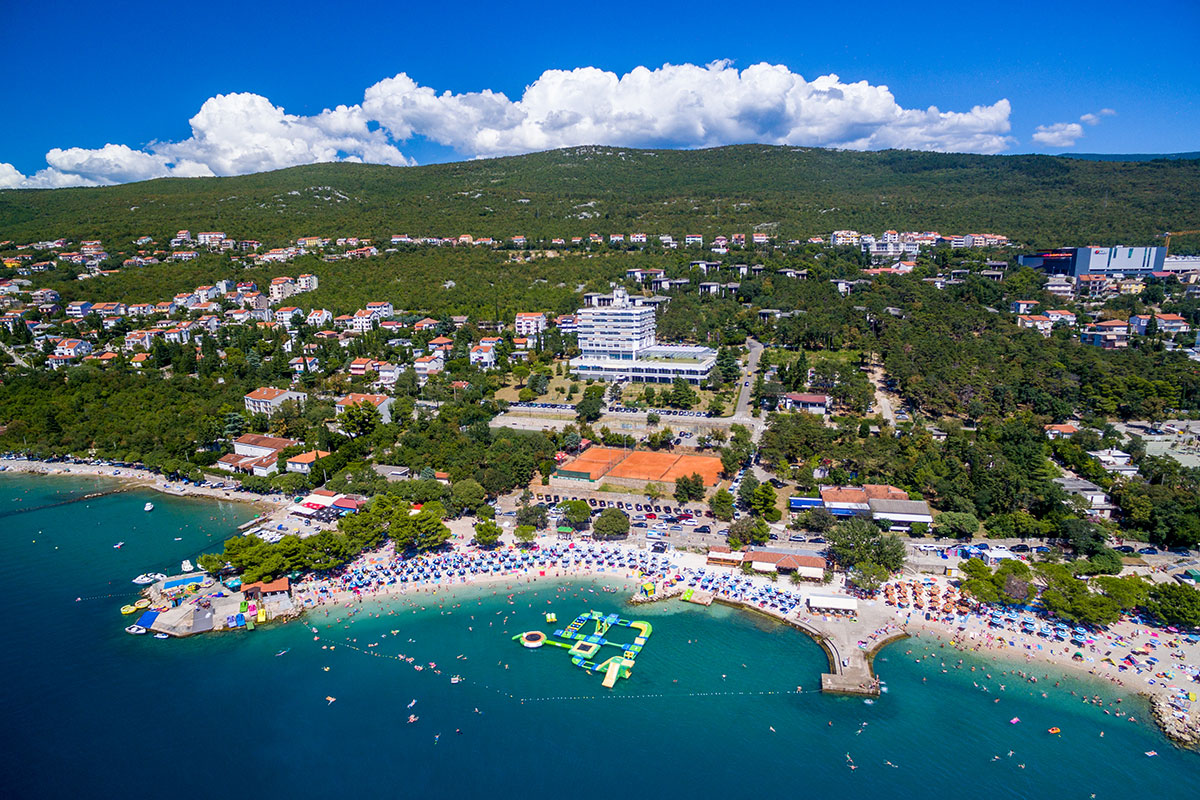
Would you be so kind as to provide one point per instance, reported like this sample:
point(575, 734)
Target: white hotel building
point(617, 337)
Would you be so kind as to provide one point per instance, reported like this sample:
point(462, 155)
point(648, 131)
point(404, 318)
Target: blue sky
point(135, 90)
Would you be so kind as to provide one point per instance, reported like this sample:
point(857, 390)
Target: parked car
point(703, 529)
point(1148, 551)
point(1020, 548)
point(1124, 549)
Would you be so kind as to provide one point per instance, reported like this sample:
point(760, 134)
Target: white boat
point(143, 579)
point(161, 636)
point(148, 507)
point(186, 566)
point(136, 630)
point(118, 545)
point(158, 576)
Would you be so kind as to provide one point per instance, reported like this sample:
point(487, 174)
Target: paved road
point(741, 414)
point(20, 362)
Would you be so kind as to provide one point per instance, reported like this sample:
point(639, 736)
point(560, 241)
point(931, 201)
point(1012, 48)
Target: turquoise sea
point(90, 711)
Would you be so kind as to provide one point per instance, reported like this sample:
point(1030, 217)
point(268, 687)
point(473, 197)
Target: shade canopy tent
point(832, 603)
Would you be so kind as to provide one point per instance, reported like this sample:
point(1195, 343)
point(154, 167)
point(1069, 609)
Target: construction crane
point(1169, 234)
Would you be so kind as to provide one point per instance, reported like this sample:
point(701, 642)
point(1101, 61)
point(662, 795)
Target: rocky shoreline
point(1184, 731)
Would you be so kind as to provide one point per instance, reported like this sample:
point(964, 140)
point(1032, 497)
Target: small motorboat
point(1054, 730)
point(136, 630)
point(118, 545)
point(156, 576)
point(148, 507)
point(186, 566)
point(143, 579)
point(161, 636)
point(142, 603)
point(128, 609)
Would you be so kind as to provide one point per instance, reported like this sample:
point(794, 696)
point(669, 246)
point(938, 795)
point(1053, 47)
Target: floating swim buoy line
point(562, 698)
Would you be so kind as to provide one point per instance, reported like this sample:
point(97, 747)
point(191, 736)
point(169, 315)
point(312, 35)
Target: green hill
point(787, 191)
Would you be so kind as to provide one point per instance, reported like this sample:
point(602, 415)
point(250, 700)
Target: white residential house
point(388, 373)
point(288, 315)
point(268, 399)
point(382, 309)
point(1168, 324)
point(1039, 322)
point(72, 348)
point(303, 462)
point(380, 401)
point(318, 317)
point(255, 454)
point(180, 334)
point(1093, 496)
point(302, 364)
point(529, 324)
point(428, 365)
point(798, 401)
point(364, 320)
point(1061, 317)
point(1115, 461)
point(483, 356)
point(306, 283)
point(78, 309)
point(281, 289)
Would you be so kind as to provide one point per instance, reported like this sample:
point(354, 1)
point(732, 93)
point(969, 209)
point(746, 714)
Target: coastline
point(1009, 648)
point(1027, 655)
point(136, 477)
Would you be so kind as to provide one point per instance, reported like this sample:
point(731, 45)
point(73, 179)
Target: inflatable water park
point(585, 647)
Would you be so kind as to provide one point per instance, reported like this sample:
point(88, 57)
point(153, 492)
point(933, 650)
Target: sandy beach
point(879, 622)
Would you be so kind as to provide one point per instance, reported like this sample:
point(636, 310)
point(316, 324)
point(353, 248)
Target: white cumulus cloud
point(683, 105)
point(1060, 134)
point(1094, 119)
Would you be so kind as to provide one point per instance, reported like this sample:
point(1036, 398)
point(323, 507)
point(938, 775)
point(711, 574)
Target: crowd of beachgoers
point(1132, 655)
point(385, 572)
point(1163, 663)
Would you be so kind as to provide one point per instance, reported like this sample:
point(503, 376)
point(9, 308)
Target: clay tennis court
point(641, 465)
point(707, 467)
point(595, 461)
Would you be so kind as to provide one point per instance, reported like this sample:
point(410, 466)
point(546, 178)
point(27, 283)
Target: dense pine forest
point(788, 192)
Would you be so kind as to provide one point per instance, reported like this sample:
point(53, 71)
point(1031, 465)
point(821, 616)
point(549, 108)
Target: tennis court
point(640, 465)
point(706, 467)
point(594, 462)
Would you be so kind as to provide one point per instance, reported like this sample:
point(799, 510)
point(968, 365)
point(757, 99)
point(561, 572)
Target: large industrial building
point(1076, 261)
point(617, 339)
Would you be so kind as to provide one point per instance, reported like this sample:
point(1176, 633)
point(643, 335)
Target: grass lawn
point(633, 394)
point(556, 391)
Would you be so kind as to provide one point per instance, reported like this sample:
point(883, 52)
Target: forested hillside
point(786, 191)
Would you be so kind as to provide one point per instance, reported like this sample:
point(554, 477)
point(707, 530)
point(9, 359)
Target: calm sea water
point(92, 712)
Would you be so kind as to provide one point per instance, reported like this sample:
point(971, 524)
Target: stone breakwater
point(1183, 730)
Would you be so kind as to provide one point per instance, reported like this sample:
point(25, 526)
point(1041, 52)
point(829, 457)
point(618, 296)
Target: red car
point(652, 516)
